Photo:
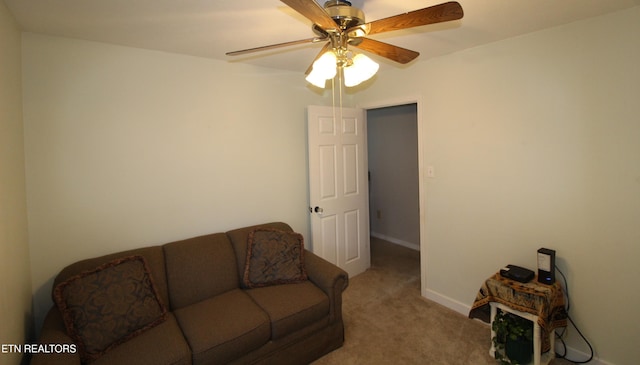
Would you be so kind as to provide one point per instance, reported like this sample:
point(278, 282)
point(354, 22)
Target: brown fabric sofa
point(211, 318)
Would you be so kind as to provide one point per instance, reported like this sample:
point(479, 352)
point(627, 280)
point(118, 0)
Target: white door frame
point(421, 174)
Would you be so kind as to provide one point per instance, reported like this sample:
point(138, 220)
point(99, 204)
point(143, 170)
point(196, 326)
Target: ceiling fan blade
point(394, 53)
point(324, 49)
point(273, 46)
point(314, 12)
point(434, 14)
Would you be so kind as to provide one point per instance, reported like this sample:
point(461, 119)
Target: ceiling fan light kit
point(362, 69)
point(340, 26)
point(323, 69)
point(356, 68)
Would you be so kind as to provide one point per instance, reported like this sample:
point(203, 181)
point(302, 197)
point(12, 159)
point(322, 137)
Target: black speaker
point(546, 266)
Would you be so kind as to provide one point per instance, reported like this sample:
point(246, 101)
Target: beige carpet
point(388, 322)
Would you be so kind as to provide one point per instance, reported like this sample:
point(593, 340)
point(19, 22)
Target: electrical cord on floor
point(560, 336)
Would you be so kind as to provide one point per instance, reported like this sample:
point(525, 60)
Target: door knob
point(317, 210)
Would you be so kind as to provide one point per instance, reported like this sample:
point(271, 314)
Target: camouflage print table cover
point(545, 301)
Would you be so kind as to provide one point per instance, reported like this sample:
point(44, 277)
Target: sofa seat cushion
point(161, 345)
point(292, 306)
point(224, 327)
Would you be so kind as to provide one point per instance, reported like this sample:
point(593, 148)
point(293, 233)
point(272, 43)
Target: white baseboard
point(406, 244)
point(464, 310)
point(447, 302)
point(573, 354)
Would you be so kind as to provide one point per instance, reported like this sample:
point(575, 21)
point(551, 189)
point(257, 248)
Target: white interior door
point(338, 187)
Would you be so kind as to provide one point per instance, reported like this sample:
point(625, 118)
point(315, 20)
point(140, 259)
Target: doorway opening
point(394, 174)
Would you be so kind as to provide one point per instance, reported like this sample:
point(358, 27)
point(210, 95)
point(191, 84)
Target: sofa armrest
point(54, 332)
point(330, 279)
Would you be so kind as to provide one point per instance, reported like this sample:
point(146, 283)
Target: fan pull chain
point(337, 116)
point(341, 85)
point(333, 97)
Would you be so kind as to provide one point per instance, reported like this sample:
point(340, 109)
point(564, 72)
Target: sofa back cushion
point(199, 268)
point(274, 257)
point(154, 257)
point(240, 237)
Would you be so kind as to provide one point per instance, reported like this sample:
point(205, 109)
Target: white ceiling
point(210, 28)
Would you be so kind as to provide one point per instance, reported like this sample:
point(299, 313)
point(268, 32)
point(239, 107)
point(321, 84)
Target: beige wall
point(128, 148)
point(15, 291)
point(536, 143)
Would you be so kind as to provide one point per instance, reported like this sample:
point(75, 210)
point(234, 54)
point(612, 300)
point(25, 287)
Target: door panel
point(353, 239)
point(327, 171)
point(350, 154)
point(329, 233)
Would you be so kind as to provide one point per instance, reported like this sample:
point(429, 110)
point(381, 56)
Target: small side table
point(540, 303)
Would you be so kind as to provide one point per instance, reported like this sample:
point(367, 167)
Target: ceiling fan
point(342, 25)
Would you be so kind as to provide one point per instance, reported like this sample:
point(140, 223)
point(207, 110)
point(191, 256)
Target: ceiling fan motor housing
point(345, 15)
